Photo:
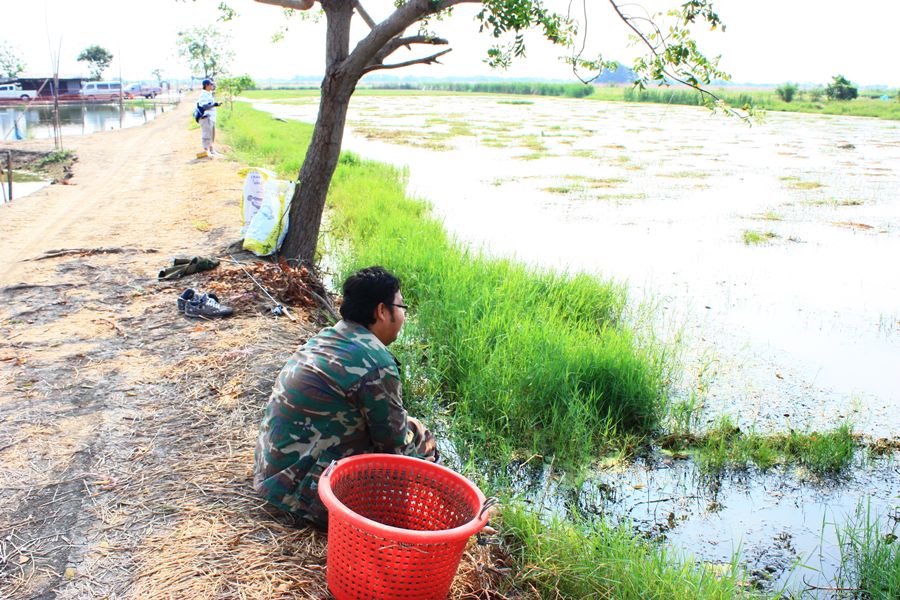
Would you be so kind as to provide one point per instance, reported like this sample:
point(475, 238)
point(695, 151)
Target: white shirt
point(206, 97)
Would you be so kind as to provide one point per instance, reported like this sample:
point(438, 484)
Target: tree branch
point(655, 52)
point(362, 13)
point(407, 14)
point(294, 4)
point(398, 42)
point(427, 60)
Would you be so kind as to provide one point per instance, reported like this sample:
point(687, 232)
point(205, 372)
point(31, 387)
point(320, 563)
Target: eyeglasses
point(403, 306)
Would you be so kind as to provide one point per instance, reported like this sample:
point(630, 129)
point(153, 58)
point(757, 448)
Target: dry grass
point(128, 473)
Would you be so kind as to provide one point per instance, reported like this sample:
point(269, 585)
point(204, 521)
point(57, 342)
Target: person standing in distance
point(207, 107)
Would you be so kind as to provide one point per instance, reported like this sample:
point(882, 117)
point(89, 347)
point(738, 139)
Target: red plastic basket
point(397, 526)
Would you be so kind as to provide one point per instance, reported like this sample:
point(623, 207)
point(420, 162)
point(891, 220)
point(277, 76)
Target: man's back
point(338, 395)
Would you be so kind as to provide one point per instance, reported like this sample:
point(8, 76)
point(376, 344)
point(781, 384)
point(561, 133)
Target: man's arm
point(382, 407)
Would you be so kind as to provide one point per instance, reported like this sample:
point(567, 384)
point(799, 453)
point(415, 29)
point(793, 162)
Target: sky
point(765, 41)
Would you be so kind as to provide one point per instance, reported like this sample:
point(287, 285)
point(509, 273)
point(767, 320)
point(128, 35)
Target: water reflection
point(36, 121)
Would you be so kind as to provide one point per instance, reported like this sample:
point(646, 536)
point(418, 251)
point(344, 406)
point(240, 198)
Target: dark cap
point(207, 82)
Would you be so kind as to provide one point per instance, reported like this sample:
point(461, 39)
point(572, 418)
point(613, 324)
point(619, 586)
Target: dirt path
point(126, 430)
point(116, 411)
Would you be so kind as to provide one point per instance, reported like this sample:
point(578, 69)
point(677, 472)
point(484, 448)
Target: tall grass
point(524, 359)
point(766, 100)
point(525, 88)
point(566, 560)
point(870, 557)
point(527, 359)
point(684, 97)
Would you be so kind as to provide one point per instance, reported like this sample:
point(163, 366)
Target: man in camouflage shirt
point(338, 395)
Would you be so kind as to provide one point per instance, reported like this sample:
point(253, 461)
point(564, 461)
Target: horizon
point(794, 49)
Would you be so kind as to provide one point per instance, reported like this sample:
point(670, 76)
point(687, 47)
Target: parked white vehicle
point(101, 90)
point(14, 91)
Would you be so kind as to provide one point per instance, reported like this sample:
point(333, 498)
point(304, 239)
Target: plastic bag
point(269, 225)
point(254, 191)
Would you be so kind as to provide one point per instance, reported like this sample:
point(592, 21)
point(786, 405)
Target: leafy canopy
point(841, 89)
point(11, 61)
point(206, 50)
point(233, 86)
point(98, 60)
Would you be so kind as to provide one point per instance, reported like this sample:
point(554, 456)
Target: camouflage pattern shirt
point(338, 395)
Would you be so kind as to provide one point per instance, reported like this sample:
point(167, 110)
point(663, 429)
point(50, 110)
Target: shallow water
point(36, 121)
point(21, 189)
point(801, 332)
point(782, 524)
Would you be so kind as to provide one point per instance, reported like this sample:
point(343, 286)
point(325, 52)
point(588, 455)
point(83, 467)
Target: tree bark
point(308, 201)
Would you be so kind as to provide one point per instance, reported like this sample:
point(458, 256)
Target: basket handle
point(488, 504)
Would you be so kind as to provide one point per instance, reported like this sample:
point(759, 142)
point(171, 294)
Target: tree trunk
point(324, 150)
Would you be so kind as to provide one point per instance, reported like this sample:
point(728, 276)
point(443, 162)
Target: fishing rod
point(279, 308)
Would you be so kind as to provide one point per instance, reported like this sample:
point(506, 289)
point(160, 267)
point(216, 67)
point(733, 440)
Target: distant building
point(69, 86)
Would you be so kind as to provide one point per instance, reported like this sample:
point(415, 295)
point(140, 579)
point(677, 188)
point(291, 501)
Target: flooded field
point(770, 250)
point(798, 330)
point(36, 121)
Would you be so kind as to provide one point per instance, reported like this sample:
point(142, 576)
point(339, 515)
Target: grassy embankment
point(531, 361)
point(522, 356)
point(526, 361)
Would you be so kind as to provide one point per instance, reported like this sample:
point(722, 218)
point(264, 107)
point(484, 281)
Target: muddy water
point(802, 331)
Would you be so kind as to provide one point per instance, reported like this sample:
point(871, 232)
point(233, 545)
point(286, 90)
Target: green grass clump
point(527, 359)
point(805, 185)
point(870, 557)
point(54, 157)
point(597, 560)
point(725, 446)
point(753, 237)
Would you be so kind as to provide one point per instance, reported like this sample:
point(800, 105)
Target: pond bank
point(582, 546)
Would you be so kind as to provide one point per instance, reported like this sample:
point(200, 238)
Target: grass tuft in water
point(870, 556)
point(598, 560)
point(725, 446)
point(753, 237)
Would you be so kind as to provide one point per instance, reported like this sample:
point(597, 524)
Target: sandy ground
point(126, 429)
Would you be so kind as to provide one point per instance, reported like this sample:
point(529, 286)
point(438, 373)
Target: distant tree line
point(840, 88)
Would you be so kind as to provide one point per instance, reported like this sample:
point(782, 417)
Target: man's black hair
point(365, 290)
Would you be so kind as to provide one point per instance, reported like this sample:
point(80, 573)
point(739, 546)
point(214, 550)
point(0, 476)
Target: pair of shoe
point(194, 304)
